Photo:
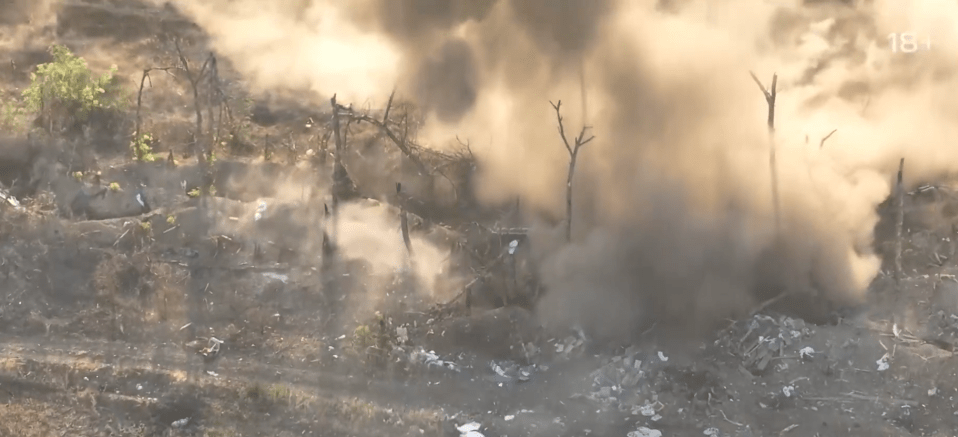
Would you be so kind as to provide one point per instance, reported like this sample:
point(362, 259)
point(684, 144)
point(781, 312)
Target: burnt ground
point(200, 318)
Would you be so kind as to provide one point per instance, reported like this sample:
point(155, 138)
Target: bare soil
point(195, 319)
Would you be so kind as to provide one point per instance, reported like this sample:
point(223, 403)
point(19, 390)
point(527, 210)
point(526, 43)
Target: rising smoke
point(674, 215)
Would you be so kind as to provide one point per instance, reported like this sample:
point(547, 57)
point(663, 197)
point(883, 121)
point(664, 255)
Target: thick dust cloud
point(674, 215)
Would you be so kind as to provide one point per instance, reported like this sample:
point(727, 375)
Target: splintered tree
point(770, 95)
point(573, 150)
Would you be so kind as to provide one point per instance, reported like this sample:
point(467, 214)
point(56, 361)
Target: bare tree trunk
point(770, 95)
point(573, 150)
point(338, 170)
point(899, 222)
point(568, 195)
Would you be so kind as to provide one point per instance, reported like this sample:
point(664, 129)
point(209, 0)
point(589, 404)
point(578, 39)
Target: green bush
point(143, 148)
point(65, 91)
point(10, 115)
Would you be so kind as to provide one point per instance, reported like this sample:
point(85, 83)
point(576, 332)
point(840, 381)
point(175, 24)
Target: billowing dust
point(674, 214)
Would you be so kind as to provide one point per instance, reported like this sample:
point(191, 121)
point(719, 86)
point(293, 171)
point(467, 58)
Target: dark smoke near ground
point(674, 219)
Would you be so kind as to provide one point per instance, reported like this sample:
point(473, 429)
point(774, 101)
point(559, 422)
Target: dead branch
point(899, 222)
point(403, 220)
point(770, 95)
point(199, 148)
point(573, 150)
point(822, 143)
point(137, 153)
point(389, 105)
point(401, 142)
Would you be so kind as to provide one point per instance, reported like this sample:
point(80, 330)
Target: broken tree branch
point(822, 143)
point(403, 220)
point(770, 95)
point(400, 142)
point(573, 150)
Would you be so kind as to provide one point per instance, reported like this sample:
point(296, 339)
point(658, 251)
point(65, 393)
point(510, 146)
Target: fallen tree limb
point(401, 143)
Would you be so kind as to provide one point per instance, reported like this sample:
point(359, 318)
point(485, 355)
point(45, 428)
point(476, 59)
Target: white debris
point(402, 335)
point(510, 417)
point(278, 276)
point(10, 199)
point(139, 199)
point(259, 211)
point(663, 357)
point(431, 359)
point(656, 418)
point(883, 363)
point(933, 391)
point(806, 352)
point(180, 423)
point(512, 246)
point(470, 429)
point(788, 390)
point(712, 432)
point(647, 410)
point(645, 432)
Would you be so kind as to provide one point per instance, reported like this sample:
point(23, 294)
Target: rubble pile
point(762, 339)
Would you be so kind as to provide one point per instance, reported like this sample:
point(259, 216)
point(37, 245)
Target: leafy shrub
point(64, 92)
point(143, 148)
point(10, 115)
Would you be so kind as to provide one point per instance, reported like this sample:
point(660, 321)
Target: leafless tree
point(573, 150)
point(770, 95)
point(137, 152)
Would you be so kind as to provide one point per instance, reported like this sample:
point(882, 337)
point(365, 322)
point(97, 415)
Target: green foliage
point(363, 337)
point(66, 89)
point(143, 148)
point(196, 192)
point(114, 186)
point(11, 115)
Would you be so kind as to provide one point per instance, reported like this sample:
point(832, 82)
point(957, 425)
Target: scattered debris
point(508, 372)
point(278, 276)
point(470, 429)
point(7, 197)
point(430, 359)
point(260, 209)
point(570, 347)
point(181, 423)
point(883, 363)
point(645, 432)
